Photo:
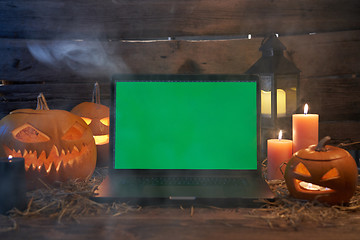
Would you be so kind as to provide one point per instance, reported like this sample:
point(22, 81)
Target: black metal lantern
point(279, 84)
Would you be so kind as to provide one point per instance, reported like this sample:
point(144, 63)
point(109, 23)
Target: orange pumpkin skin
point(97, 117)
point(56, 145)
point(332, 175)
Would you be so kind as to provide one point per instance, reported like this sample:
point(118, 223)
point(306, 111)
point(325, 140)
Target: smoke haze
point(87, 58)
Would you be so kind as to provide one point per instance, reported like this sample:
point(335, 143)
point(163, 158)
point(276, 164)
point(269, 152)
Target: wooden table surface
point(179, 223)
point(285, 218)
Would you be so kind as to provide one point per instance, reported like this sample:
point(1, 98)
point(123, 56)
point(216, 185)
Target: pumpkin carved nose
point(98, 128)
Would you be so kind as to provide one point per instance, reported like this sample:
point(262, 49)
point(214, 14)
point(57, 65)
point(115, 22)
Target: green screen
point(185, 125)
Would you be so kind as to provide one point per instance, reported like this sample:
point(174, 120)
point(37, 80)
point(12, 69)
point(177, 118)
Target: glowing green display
point(185, 125)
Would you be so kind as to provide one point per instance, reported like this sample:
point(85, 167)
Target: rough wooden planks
point(155, 223)
point(319, 55)
point(58, 95)
point(334, 98)
point(144, 19)
point(329, 64)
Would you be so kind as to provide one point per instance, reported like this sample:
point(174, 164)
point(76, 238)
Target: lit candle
point(266, 103)
point(278, 151)
point(12, 184)
point(305, 129)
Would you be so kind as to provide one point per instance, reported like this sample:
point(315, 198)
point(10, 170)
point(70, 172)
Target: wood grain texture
point(175, 223)
point(66, 70)
point(144, 19)
point(341, 132)
point(329, 54)
point(329, 64)
point(58, 95)
point(333, 98)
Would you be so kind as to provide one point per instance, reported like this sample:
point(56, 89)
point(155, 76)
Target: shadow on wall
point(190, 67)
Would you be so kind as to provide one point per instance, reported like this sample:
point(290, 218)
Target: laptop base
point(220, 196)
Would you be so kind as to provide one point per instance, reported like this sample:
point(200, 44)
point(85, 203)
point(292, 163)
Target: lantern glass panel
point(286, 95)
point(288, 84)
point(266, 86)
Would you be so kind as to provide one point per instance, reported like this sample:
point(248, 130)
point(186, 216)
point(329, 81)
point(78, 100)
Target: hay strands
point(294, 211)
point(70, 200)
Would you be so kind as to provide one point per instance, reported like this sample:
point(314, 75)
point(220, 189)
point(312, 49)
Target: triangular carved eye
point(74, 133)
point(87, 120)
point(302, 170)
point(29, 134)
point(105, 121)
point(331, 174)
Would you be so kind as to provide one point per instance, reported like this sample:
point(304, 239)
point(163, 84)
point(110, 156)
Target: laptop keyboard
point(184, 181)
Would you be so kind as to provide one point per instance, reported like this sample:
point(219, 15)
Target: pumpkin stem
point(320, 147)
point(96, 93)
point(41, 102)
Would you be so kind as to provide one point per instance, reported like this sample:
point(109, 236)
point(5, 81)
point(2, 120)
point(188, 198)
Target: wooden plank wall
point(144, 19)
point(62, 47)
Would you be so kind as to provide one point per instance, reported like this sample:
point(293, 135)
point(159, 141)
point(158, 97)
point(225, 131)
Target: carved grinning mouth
point(303, 171)
point(54, 161)
point(101, 139)
point(307, 186)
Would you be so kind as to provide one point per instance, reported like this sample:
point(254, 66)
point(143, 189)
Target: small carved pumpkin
point(328, 174)
point(56, 144)
point(96, 116)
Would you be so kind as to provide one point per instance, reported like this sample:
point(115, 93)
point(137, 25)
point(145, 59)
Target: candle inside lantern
point(279, 151)
point(12, 184)
point(266, 103)
point(305, 129)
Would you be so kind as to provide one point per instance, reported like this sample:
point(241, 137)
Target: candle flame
point(306, 109)
point(10, 157)
point(280, 135)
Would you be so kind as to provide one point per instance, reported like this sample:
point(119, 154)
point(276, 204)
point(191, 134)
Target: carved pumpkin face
point(56, 145)
point(97, 117)
point(329, 176)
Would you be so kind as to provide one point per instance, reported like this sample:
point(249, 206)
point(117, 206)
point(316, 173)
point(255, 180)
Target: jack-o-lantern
point(324, 173)
point(96, 116)
point(55, 144)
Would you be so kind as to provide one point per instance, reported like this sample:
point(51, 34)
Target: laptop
point(178, 139)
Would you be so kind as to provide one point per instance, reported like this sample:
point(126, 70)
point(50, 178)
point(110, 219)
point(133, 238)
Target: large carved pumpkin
point(325, 173)
point(56, 144)
point(96, 116)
